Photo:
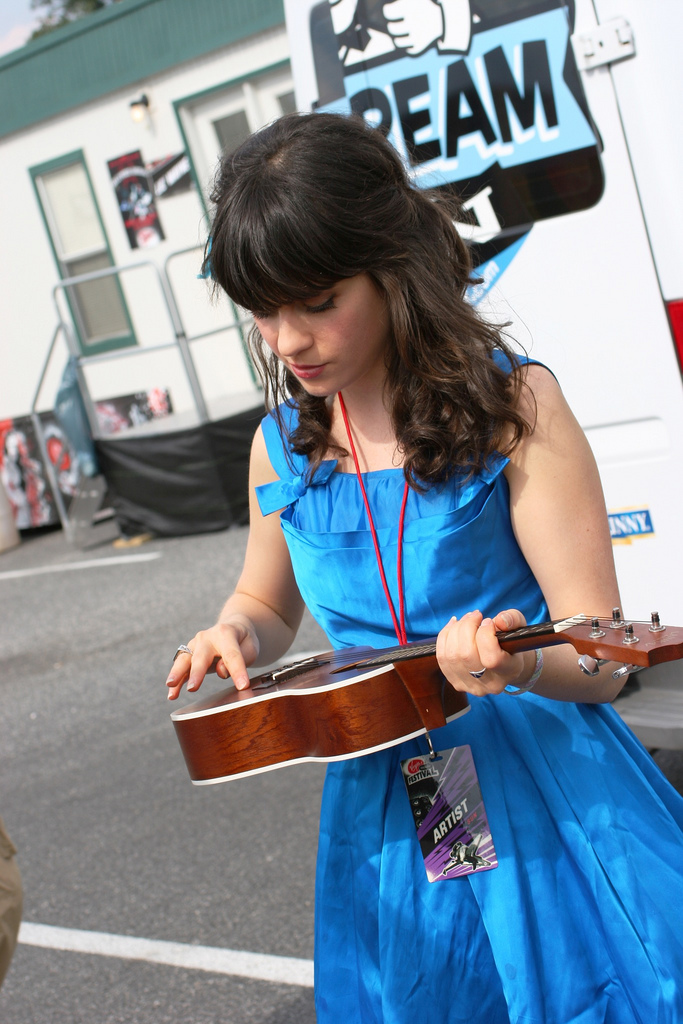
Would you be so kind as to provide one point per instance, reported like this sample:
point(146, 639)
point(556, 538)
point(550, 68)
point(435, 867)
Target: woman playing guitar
point(416, 477)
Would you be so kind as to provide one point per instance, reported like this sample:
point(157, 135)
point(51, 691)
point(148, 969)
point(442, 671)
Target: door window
point(80, 247)
point(218, 122)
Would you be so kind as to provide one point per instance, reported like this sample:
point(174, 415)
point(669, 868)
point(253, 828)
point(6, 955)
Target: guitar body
point(317, 714)
point(346, 703)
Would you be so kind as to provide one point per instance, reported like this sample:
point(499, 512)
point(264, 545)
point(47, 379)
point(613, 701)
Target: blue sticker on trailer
point(485, 104)
point(486, 274)
point(624, 526)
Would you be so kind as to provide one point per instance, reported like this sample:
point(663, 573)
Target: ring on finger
point(183, 649)
point(479, 674)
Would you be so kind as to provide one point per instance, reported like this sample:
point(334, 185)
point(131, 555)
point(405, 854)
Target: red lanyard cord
point(403, 638)
point(399, 627)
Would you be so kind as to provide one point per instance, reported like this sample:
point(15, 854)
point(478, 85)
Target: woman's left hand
point(469, 644)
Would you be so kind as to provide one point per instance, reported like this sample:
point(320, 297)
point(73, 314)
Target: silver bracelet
point(533, 679)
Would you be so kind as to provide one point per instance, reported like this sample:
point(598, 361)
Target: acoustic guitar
point(358, 700)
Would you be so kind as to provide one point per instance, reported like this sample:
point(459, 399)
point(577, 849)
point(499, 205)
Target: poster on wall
point(171, 175)
point(126, 411)
point(23, 474)
point(135, 196)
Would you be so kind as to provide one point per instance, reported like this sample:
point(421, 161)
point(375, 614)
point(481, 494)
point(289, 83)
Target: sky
point(17, 21)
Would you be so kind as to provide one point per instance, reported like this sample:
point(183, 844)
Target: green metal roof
point(117, 46)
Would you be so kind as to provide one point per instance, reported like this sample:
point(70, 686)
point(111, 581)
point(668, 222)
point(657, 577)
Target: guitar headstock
point(607, 639)
point(635, 643)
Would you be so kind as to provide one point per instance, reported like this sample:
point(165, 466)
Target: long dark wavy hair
point(314, 198)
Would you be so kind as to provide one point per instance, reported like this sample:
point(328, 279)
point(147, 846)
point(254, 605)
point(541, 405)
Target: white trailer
point(559, 124)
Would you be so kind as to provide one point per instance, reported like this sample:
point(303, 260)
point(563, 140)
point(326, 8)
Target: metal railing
point(238, 322)
point(180, 341)
point(62, 511)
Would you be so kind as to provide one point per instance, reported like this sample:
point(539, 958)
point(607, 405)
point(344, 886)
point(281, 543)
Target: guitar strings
point(384, 656)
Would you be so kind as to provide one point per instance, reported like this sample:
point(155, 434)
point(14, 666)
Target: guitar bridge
point(284, 672)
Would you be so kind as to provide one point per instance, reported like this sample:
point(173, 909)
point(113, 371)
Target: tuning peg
point(617, 621)
point(590, 666)
point(629, 635)
point(627, 670)
point(656, 626)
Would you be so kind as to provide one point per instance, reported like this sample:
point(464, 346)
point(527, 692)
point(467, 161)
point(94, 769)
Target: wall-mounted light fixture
point(139, 109)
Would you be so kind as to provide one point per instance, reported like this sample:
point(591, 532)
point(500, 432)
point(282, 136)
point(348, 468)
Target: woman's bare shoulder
point(260, 467)
point(551, 422)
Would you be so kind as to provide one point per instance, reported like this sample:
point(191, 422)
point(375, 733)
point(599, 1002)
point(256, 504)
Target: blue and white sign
point(623, 526)
point(482, 99)
point(505, 102)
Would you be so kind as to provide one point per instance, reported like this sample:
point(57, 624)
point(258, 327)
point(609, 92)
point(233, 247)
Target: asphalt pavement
point(147, 900)
point(113, 838)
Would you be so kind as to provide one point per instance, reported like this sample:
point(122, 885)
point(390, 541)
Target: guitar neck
point(528, 638)
point(543, 634)
point(637, 643)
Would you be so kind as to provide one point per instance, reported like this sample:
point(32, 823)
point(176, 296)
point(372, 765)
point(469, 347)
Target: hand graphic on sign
point(417, 25)
point(343, 12)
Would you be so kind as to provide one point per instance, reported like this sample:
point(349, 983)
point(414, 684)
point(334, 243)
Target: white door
point(219, 122)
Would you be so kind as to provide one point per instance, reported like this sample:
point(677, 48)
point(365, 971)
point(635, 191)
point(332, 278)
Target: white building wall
point(104, 130)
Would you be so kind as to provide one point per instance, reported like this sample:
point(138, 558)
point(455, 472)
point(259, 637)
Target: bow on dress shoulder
point(281, 493)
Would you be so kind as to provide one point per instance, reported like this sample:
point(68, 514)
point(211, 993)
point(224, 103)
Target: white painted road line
point(91, 563)
point(283, 970)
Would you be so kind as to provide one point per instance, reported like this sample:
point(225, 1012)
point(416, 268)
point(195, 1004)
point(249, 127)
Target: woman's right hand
point(226, 649)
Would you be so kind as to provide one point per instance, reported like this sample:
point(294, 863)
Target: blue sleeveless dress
point(582, 920)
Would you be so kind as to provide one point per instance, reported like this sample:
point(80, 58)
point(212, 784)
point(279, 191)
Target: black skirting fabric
point(180, 483)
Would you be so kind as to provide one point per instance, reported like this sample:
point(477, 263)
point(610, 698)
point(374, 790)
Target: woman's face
point(334, 341)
